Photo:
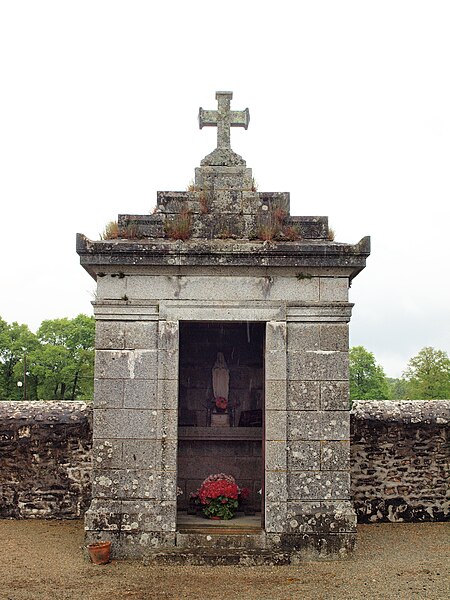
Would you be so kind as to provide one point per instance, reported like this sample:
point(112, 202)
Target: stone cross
point(223, 118)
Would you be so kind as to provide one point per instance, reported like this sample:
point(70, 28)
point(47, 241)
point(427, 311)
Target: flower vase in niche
point(219, 415)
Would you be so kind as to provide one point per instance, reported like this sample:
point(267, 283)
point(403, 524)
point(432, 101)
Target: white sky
point(350, 113)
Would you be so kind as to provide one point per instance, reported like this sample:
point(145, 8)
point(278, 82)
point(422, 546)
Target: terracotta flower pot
point(100, 552)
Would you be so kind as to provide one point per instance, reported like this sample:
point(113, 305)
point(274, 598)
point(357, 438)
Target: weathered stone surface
point(168, 364)
point(276, 425)
point(140, 454)
point(334, 395)
point(104, 514)
point(167, 424)
point(125, 310)
point(304, 456)
point(107, 454)
point(275, 356)
point(333, 289)
point(297, 256)
point(318, 365)
point(108, 393)
point(303, 337)
point(218, 177)
point(303, 395)
point(125, 423)
point(132, 544)
point(109, 336)
point(223, 541)
point(221, 311)
point(334, 337)
point(141, 335)
point(120, 335)
point(334, 455)
point(125, 364)
point(400, 460)
point(167, 394)
point(140, 393)
point(276, 394)
point(318, 485)
point(313, 546)
point(127, 484)
point(323, 312)
point(276, 456)
point(276, 511)
point(149, 515)
point(320, 517)
point(46, 459)
point(275, 365)
point(318, 425)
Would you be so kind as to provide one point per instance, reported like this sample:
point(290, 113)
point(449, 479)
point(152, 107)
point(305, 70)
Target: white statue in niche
point(221, 384)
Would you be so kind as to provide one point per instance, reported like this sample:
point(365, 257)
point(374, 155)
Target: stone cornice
point(95, 255)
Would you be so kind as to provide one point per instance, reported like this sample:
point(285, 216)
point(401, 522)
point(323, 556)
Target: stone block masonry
point(219, 256)
point(399, 457)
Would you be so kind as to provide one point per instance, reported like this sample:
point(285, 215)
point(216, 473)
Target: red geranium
point(214, 489)
point(219, 495)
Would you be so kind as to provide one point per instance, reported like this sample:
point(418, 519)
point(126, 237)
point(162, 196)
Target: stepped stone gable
point(222, 252)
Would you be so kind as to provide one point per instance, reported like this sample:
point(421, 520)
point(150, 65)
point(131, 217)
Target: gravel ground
point(44, 560)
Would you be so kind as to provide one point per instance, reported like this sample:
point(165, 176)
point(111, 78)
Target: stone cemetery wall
point(45, 459)
point(400, 460)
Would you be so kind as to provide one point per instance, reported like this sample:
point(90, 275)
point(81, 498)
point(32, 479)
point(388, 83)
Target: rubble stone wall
point(400, 460)
point(400, 457)
point(45, 459)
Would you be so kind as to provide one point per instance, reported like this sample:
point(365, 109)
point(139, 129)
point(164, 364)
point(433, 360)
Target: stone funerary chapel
point(222, 347)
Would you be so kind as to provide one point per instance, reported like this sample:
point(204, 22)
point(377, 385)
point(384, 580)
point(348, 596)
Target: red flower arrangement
point(221, 403)
point(219, 496)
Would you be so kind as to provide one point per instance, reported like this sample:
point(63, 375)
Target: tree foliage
point(56, 363)
point(15, 342)
point(428, 375)
point(367, 378)
point(398, 388)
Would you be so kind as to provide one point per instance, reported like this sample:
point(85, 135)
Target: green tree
point(367, 379)
point(55, 364)
point(428, 375)
point(63, 365)
point(397, 388)
point(16, 341)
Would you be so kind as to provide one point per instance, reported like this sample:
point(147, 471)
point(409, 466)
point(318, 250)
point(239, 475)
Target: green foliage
point(222, 507)
point(428, 375)
point(56, 363)
point(397, 389)
point(367, 379)
point(15, 341)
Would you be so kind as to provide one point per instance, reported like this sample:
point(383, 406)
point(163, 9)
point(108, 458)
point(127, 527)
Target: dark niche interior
point(220, 406)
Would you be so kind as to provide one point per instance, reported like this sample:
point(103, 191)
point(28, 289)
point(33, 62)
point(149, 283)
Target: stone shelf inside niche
point(220, 433)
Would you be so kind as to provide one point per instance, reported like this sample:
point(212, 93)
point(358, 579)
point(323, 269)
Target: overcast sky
point(350, 113)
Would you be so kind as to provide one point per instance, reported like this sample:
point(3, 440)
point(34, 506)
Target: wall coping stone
point(421, 412)
point(45, 411)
